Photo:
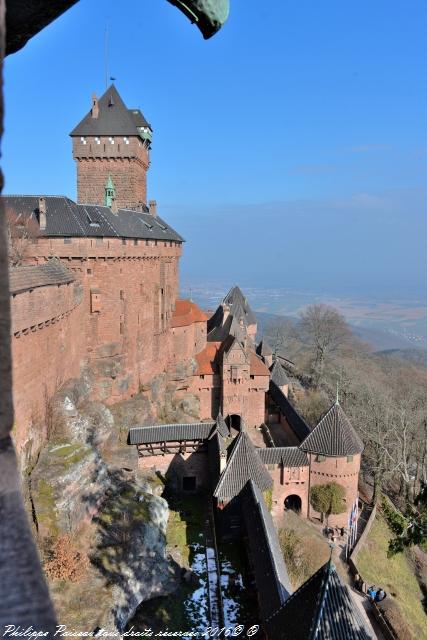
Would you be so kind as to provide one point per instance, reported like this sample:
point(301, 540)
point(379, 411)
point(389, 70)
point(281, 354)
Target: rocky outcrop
point(86, 485)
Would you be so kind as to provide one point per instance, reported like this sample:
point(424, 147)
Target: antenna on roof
point(337, 401)
point(106, 56)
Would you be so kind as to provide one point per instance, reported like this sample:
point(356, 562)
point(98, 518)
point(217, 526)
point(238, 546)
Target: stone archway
point(293, 503)
point(234, 422)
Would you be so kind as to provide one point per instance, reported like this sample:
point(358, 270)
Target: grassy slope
point(395, 575)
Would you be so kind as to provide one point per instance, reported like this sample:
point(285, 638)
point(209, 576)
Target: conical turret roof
point(334, 435)
point(321, 609)
point(114, 118)
point(244, 464)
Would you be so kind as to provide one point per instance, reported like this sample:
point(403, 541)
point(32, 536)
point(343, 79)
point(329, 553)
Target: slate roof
point(221, 426)
point(43, 275)
point(264, 349)
point(288, 456)
point(64, 217)
point(170, 432)
point(271, 576)
point(334, 435)
point(239, 306)
point(295, 421)
point(278, 374)
point(321, 609)
point(242, 465)
point(114, 118)
point(220, 327)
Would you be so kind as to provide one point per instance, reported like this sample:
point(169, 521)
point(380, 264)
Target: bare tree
point(21, 232)
point(281, 334)
point(324, 330)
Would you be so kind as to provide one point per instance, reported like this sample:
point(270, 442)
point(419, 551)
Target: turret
point(112, 143)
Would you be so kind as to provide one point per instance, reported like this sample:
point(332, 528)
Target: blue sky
point(290, 149)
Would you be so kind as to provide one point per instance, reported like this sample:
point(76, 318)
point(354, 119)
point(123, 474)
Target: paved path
point(363, 605)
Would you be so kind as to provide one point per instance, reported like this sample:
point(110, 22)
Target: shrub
point(64, 561)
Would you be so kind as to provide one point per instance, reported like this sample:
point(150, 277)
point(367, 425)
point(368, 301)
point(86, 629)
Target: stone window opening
point(135, 241)
point(95, 301)
point(189, 483)
point(122, 294)
point(99, 241)
point(123, 240)
point(67, 240)
point(320, 457)
point(349, 458)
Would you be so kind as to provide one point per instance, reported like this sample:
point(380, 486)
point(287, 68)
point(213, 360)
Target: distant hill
point(416, 356)
point(378, 339)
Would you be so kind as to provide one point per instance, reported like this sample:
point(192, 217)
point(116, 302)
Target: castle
point(97, 294)
point(99, 290)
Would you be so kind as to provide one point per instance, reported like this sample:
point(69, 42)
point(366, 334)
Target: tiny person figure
point(372, 592)
point(380, 595)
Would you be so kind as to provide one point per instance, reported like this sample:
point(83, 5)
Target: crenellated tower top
point(112, 143)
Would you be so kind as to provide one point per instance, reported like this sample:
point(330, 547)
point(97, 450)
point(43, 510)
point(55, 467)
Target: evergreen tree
point(328, 499)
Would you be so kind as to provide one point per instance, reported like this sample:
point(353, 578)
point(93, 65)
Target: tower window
point(67, 240)
point(320, 458)
point(98, 140)
point(349, 458)
point(123, 240)
point(135, 242)
point(111, 140)
point(83, 140)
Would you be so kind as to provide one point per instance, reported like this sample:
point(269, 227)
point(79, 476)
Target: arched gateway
point(293, 502)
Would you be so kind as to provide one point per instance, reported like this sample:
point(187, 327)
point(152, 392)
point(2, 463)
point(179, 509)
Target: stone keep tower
point(111, 147)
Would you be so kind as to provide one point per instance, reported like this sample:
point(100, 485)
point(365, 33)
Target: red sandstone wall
point(187, 341)
point(126, 163)
point(175, 466)
point(208, 389)
point(287, 482)
point(344, 473)
point(121, 326)
point(47, 349)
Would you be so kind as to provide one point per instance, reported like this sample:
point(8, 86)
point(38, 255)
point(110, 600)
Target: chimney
point(152, 207)
point(42, 214)
point(95, 107)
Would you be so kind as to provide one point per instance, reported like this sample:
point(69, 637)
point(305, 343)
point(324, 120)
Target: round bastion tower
point(111, 146)
point(334, 449)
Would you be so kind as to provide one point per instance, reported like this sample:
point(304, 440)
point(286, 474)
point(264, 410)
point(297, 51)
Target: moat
point(194, 606)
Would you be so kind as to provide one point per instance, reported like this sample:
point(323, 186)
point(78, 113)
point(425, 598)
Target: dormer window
point(83, 140)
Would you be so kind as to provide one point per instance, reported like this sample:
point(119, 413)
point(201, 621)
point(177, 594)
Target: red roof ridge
point(187, 312)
